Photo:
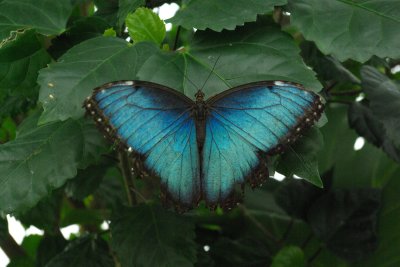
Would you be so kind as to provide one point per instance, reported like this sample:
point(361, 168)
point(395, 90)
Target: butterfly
point(200, 149)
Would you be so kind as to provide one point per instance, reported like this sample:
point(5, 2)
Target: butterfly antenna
point(186, 77)
point(211, 72)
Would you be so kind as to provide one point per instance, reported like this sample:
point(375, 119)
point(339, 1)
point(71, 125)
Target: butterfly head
point(199, 96)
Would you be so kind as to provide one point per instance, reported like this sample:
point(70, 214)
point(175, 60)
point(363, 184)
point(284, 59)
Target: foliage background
point(56, 169)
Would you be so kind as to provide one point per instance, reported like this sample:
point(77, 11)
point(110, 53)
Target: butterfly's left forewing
point(156, 123)
point(247, 122)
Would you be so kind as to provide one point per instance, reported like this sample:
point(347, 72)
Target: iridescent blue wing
point(246, 122)
point(155, 122)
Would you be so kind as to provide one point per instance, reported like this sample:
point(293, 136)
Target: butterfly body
point(200, 149)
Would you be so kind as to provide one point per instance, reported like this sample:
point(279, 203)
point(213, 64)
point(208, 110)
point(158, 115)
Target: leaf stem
point(288, 229)
point(128, 177)
point(346, 102)
point(265, 231)
point(347, 92)
point(315, 255)
point(176, 38)
point(10, 247)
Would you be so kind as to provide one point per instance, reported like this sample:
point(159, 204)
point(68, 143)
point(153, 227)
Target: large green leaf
point(149, 235)
point(350, 29)
point(21, 57)
point(145, 25)
point(39, 160)
point(47, 17)
point(384, 97)
point(250, 53)
point(219, 15)
point(66, 84)
point(90, 251)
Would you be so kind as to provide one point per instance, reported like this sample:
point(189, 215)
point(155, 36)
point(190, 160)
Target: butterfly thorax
point(200, 113)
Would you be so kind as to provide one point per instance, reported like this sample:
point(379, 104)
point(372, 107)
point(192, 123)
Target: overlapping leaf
point(21, 57)
point(148, 235)
point(219, 15)
point(350, 29)
point(47, 17)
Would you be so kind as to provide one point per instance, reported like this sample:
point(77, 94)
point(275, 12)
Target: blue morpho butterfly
point(200, 149)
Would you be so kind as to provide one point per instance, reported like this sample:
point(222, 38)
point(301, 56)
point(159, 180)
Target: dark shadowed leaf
point(49, 247)
point(81, 30)
point(346, 221)
point(289, 256)
point(327, 67)
point(47, 17)
point(367, 125)
point(350, 29)
point(107, 10)
point(149, 235)
point(219, 15)
point(66, 84)
point(46, 214)
point(126, 7)
point(245, 251)
point(88, 251)
point(86, 182)
point(384, 97)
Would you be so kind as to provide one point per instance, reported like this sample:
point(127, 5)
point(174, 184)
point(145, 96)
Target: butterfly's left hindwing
point(156, 123)
point(247, 122)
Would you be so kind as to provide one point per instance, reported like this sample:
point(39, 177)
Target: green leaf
point(126, 7)
point(111, 192)
point(366, 124)
point(264, 53)
point(350, 29)
point(66, 84)
point(47, 17)
point(384, 97)
point(302, 158)
point(145, 25)
point(89, 250)
point(110, 32)
point(346, 221)
point(38, 161)
point(146, 235)
point(21, 57)
point(219, 15)
point(289, 256)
